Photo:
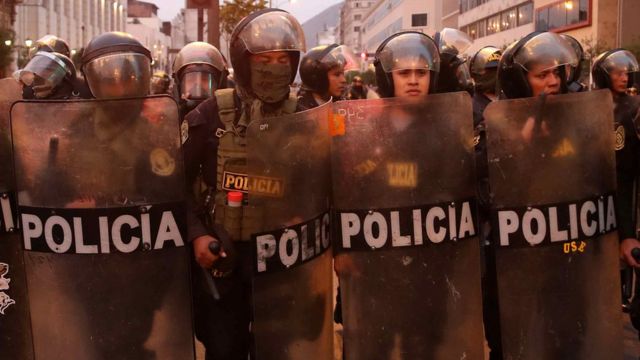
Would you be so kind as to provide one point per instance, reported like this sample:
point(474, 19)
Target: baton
point(215, 248)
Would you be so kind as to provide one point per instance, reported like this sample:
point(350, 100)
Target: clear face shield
point(453, 41)
point(547, 51)
point(44, 72)
point(119, 75)
point(273, 31)
point(342, 57)
point(409, 52)
point(621, 62)
point(197, 84)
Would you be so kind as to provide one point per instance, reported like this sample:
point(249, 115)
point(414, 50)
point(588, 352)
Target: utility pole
point(213, 19)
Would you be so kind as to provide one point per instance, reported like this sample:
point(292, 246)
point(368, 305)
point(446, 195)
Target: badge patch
point(184, 131)
point(620, 137)
point(161, 162)
point(257, 184)
point(403, 174)
point(5, 300)
point(476, 140)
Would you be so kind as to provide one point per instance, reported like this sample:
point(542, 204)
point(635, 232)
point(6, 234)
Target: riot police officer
point(50, 43)
point(575, 82)
point(265, 49)
point(357, 90)
point(198, 71)
point(407, 65)
point(48, 75)
point(615, 70)
point(160, 83)
point(484, 67)
point(322, 70)
point(454, 73)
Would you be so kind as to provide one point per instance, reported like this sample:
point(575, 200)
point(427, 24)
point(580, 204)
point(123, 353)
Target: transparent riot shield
point(407, 248)
point(552, 178)
point(15, 333)
point(289, 191)
point(100, 197)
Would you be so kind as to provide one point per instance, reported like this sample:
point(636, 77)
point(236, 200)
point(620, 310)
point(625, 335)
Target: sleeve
point(199, 151)
point(626, 162)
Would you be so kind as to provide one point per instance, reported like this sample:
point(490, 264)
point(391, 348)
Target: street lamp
point(28, 43)
point(8, 42)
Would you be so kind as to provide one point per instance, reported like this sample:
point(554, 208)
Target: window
point(419, 20)
point(525, 14)
point(508, 19)
point(357, 17)
point(493, 24)
point(542, 20)
point(356, 29)
point(482, 28)
point(562, 15)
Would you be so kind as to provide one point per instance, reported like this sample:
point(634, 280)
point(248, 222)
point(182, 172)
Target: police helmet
point(405, 50)
point(484, 66)
point(615, 60)
point(576, 73)
point(160, 82)
point(47, 72)
point(116, 65)
point(317, 62)
point(50, 43)
point(264, 31)
point(199, 70)
point(454, 74)
point(538, 48)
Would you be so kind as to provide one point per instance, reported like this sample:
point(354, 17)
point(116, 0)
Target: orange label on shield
point(336, 124)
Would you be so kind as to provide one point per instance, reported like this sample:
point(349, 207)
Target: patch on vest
point(261, 185)
point(476, 140)
point(619, 137)
point(184, 131)
point(402, 174)
point(161, 162)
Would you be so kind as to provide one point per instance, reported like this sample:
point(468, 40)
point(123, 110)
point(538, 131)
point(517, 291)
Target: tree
point(232, 11)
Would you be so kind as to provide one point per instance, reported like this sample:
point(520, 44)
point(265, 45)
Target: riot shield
point(407, 247)
point(101, 206)
point(15, 333)
point(289, 185)
point(552, 179)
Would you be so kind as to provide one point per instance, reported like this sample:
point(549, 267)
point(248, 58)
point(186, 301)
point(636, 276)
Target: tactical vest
point(239, 222)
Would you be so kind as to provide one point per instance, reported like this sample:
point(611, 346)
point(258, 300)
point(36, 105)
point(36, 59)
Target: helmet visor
point(197, 85)
point(546, 51)
point(198, 53)
point(273, 31)
point(44, 69)
point(342, 56)
point(119, 75)
point(409, 51)
point(453, 41)
point(620, 61)
point(486, 58)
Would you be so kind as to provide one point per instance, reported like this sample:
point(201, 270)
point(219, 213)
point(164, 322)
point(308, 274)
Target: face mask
point(270, 82)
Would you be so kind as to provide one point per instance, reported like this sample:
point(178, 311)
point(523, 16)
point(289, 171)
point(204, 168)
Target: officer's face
point(274, 57)
point(619, 80)
point(544, 80)
point(337, 81)
point(411, 82)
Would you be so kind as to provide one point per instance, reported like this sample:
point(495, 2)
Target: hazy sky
point(301, 9)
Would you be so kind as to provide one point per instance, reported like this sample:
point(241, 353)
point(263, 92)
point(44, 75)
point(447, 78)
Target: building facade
point(144, 24)
point(495, 22)
point(351, 21)
point(76, 21)
point(388, 17)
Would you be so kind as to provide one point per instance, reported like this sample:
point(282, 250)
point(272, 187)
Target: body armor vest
point(239, 222)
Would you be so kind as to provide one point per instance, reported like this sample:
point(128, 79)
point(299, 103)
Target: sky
point(303, 10)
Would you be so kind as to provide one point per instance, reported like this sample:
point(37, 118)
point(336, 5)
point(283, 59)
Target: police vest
point(239, 222)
